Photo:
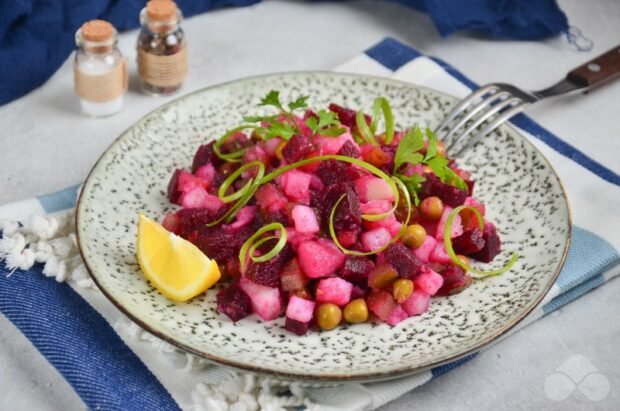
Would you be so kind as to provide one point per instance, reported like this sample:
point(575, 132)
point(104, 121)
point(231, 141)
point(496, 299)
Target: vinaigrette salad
point(331, 216)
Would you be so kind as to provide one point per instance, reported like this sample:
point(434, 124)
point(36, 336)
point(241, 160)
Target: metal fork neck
point(562, 87)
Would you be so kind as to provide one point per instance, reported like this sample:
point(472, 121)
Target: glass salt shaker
point(162, 49)
point(99, 69)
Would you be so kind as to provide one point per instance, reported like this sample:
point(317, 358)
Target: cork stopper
point(97, 31)
point(161, 10)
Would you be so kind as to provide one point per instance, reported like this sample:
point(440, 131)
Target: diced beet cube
point(173, 186)
point(455, 280)
point(404, 260)
point(319, 258)
point(332, 145)
point(457, 227)
point(349, 149)
point(397, 315)
point(192, 219)
point(348, 215)
point(198, 197)
point(381, 303)
point(358, 292)
point(373, 188)
point(236, 142)
point(268, 273)
point(356, 269)
point(270, 146)
point(264, 217)
point(305, 220)
point(206, 155)
point(233, 268)
point(296, 327)
point(265, 301)
point(207, 174)
point(255, 153)
point(296, 185)
point(347, 238)
point(429, 226)
point(219, 243)
point(440, 255)
point(334, 171)
point(376, 207)
point(172, 223)
point(316, 184)
point(270, 198)
point(345, 115)
point(244, 217)
point(424, 251)
point(375, 239)
point(233, 302)
point(312, 166)
point(334, 290)
point(469, 242)
point(417, 303)
point(450, 195)
point(429, 281)
point(297, 148)
point(294, 238)
point(390, 223)
point(291, 277)
point(300, 309)
point(492, 244)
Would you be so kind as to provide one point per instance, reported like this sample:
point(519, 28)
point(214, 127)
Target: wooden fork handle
point(598, 70)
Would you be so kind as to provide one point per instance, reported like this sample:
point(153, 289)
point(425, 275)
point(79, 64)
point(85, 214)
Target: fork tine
point(458, 109)
point(484, 117)
point(488, 101)
point(493, 125)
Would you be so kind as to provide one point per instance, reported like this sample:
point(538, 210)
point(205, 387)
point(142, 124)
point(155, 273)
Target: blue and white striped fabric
point(74, 328)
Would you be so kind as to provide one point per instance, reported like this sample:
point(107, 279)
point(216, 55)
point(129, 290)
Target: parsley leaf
point(283, 130)
point(272, 99)
point(413, 184)
point(327, 124)
point(299, 103)
point(408, 147)
point(431, 151)
point(332, 131)
point(439, 165)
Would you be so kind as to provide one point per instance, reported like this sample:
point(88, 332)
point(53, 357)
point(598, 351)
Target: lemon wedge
point(176, 267)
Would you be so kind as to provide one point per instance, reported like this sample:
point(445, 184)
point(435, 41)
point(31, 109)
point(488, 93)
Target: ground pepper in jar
point(162, 49)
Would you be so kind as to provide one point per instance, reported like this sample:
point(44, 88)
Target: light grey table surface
point(47, 145)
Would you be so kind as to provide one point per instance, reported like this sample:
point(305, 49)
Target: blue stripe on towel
point(574, 293)
point(589, 255)
point(60, 200)
point(393, 54)
point(437, 371)
point(79, 342)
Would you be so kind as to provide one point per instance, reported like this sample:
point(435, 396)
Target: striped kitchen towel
point(112, 364)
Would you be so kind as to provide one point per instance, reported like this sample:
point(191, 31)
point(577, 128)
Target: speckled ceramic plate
point(522, 192)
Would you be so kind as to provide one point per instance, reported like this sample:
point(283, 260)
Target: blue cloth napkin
point(107, 373)
point(36, 36)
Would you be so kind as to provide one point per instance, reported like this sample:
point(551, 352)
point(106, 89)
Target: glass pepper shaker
point(162, 49)
point(99, 69)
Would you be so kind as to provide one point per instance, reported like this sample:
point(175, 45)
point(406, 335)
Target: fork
point(490, 106)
